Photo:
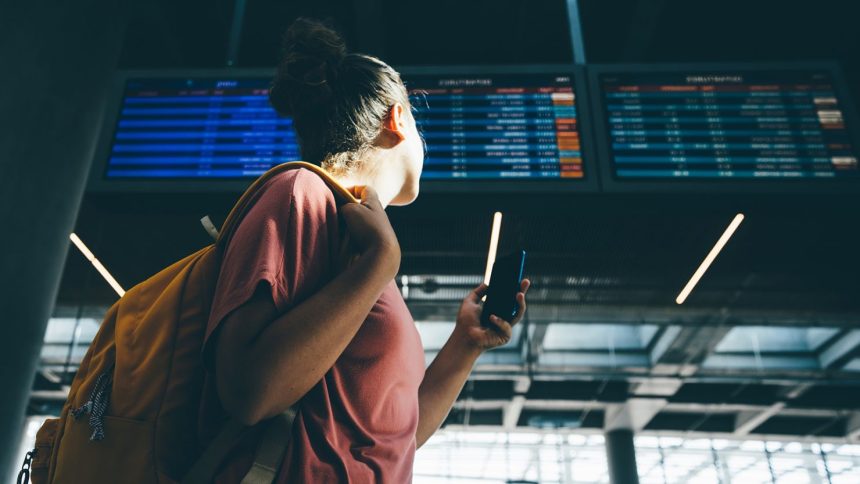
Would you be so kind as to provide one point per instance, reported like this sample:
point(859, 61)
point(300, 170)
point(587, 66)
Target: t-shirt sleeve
point(285, 244)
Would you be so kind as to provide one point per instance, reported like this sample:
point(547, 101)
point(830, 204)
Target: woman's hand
point(469, 327)
point(369, 230)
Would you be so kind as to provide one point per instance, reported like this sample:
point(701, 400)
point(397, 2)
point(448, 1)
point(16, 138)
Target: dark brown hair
point(337, 99)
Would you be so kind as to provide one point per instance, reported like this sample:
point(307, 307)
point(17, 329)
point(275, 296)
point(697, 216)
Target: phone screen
point(504, 285)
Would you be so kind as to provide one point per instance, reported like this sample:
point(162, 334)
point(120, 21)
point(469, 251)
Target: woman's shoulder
point(302, 188)
point(299, 183)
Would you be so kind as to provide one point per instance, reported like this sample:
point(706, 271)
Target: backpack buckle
point(209, 227)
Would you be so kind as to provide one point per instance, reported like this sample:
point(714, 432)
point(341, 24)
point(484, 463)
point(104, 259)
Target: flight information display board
point(732, 124)
point(198, 128)
point(498, 126)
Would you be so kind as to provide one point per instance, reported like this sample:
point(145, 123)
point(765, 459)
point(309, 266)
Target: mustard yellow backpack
point(131, 414)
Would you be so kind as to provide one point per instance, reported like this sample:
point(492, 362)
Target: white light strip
point(98, 265)
point(710, 258)
point(494, 245)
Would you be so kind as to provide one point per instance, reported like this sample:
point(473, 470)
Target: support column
point(235, 38)
point(576, 38)
point(58, 61)
point(621, 457)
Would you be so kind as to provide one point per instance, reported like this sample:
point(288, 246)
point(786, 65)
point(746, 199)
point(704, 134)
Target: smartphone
point(504, 285)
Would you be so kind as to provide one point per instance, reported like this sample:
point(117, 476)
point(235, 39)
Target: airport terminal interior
point(682, 175)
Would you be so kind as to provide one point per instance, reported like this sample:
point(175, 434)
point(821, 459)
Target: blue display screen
point(740, 125)
point(199, 128)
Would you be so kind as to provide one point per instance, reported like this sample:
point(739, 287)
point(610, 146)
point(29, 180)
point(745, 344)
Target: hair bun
point(312, 53)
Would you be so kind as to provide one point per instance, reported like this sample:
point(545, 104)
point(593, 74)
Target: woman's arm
point(445, 377)
point(442, 382)
point(265, 362)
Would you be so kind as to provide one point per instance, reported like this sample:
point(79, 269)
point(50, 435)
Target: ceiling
point(196, 33)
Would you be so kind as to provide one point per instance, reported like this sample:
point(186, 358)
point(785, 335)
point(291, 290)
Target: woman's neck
point(379, 173)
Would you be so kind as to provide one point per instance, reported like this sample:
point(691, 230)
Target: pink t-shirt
point(358, 423)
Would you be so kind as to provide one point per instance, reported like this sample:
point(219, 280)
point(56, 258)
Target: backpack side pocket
point(45, 438)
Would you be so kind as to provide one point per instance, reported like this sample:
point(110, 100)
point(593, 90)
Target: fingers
point(352, 213)
point(521, 300)
point(521, 304)
point(502, 326)
point(477, 293)
point(369, 197)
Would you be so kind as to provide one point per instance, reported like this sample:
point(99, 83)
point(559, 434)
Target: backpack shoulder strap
point(203, 470)
point(267, 459)
point(271, 449)
point(243, 205)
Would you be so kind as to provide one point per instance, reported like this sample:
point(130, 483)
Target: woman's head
point(351, 112)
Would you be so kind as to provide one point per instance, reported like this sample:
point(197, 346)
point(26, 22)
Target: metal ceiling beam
point(636, 375)
point(686, 349)
point(656, 387)
point(633, 415)
point(743, 407)
point(541, 312)
point(511, 412)
point(841, 351)
point(601, 359)
point(762, 362)
point(680, 434)
point(665, 339)
point(853, 428)
point(513, 409)
point(748, 420)
point(536, 337)
point(548, 405)
point(617, 418)
point(674, 407)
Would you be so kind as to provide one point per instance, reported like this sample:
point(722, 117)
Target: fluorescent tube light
point(98, 265)
point(710, 258)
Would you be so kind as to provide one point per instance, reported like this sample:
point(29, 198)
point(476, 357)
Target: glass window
point(766, 339)
point(561, 336)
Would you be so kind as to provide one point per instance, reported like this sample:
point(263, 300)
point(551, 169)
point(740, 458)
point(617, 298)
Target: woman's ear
point(395, 121)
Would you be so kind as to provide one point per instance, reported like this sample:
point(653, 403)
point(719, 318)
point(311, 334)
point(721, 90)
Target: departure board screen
point(498, 126)
point(737, 125)
point(198, 128)
point(493, 127)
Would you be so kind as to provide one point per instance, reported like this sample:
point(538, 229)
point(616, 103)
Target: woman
point(289, 326)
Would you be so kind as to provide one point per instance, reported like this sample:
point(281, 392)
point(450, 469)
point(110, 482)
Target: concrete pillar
point(621, 457)
point(58, 59)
